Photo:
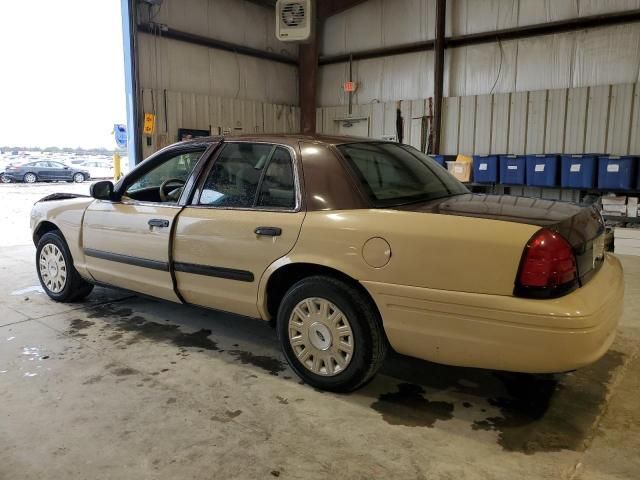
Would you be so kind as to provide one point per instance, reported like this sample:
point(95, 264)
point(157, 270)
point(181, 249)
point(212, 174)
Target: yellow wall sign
point(149, 123)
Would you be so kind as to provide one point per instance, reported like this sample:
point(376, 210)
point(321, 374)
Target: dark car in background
point(3, 166)
point(45, 171)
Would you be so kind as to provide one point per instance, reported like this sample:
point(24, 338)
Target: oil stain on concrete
point(269, 364)
point(547, 414)
point(142, 328)
point(535, 413)
point(410, 408)
point(77, 325)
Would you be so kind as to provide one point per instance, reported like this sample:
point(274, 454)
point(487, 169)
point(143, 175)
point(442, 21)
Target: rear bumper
point(503, 332)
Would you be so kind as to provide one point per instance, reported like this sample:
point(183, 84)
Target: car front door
point(245, 214)
point(58, 171)
point(42, 170)
point(126, 241)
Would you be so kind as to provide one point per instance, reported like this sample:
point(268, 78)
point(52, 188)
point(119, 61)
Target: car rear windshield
point(393, 174)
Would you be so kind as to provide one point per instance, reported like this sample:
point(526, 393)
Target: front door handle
point(268, 231)
point(158, 222)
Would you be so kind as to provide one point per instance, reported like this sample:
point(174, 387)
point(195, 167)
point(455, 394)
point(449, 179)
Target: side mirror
point(66, 167)
point(102, 190)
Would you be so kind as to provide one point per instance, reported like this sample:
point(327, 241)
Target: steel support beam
point(308, 86)
point(308, 63)
point(438, 73)
point(132, 84)
point(561, 26)
point(192, 38)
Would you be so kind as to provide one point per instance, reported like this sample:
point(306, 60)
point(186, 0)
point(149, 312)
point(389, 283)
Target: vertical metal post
point(134, 139)
point(308, 77)
point(438, 81)
point(351, 80)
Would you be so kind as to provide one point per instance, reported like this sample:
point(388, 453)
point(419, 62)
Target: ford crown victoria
point(350, 247)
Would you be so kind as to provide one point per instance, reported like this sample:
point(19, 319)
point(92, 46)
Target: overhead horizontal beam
point(560, 26)
point(167, 32)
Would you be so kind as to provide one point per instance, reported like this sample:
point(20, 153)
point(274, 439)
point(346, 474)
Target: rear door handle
point(268, 231)
point(158, 222)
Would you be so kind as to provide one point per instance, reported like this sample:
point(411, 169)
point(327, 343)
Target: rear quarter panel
point(67, 216)
point(434, 251)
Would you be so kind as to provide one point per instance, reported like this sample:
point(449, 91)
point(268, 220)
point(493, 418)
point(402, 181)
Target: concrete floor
point(123, 387)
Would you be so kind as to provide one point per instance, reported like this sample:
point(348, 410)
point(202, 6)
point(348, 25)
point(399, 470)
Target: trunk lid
point(582, 227)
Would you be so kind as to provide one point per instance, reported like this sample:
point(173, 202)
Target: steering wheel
point(165, 196)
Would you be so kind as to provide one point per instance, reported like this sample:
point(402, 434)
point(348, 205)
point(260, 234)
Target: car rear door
point(246, 213)
point(126, 242)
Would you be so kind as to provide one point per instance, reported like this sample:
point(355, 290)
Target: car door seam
point(172, 267)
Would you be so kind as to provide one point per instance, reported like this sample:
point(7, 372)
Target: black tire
point(75, 287)
point(370, 342)
point(79, 177)
point(30, 177)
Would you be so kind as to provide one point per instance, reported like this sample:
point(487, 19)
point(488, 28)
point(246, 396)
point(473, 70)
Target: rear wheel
point(58, 277)
point(30, 178)
point(78, 178)
point(5, 179)
point(331, 334)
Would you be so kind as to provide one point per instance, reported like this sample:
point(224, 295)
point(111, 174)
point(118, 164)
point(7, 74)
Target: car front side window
point(164, 182)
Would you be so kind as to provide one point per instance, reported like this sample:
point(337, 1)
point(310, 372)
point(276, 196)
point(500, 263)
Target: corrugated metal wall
point(220, 114)
point(600, 119)
point(602, 56)
point(209, 88)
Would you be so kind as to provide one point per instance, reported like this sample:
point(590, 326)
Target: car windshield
point(393, 174)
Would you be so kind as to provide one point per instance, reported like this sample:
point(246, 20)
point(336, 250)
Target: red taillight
point(548, 266)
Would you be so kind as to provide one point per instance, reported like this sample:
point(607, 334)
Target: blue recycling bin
point(578, 171)
point(616, 173)
point(542, 170)
point(440, 160)
point(512, 169)
point(485, 168)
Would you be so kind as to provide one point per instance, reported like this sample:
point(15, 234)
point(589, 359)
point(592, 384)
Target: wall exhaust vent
point(294, 20)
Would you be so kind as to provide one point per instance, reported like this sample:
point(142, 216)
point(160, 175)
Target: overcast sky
point(61, 72)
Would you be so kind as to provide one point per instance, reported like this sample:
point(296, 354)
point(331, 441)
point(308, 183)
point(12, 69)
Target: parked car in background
point(3, 166)
point(350, 246)
point(45, 171)
point(97, 168)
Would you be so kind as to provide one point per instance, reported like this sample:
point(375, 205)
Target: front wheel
point(30, 178)
point(58, 277)
point(331, 334)
point(78, 178)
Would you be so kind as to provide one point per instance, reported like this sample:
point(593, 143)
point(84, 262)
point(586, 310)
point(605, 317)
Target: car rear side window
point(250, 175)
point(393, 174)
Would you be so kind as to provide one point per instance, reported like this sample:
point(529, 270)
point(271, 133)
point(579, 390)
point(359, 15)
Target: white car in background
point(98, 168)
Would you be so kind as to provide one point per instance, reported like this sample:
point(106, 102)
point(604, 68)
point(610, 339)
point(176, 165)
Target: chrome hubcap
point(321, 337)
point(53, 268)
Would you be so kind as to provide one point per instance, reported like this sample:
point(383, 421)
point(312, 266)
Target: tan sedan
point(350, 246)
